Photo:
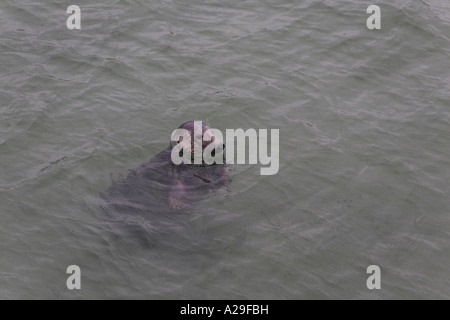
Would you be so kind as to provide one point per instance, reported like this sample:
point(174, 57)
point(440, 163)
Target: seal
point(160, 185)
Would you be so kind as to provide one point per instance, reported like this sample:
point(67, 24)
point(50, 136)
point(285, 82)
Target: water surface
point(364, 153)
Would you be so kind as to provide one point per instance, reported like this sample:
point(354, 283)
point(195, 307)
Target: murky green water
point(364, 151)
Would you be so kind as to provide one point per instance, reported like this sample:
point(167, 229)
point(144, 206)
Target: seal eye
point(181, 153)
point(213, 153)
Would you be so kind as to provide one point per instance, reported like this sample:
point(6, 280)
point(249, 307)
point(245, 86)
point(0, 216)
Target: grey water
point(364, 120)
